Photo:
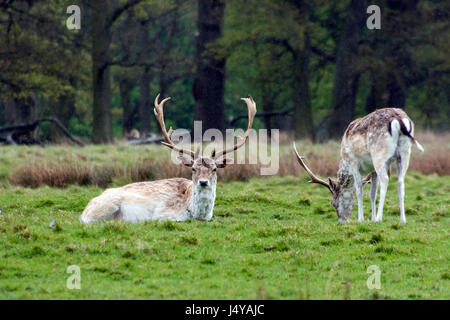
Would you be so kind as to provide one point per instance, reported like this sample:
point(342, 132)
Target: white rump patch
point(395, 127)
point(407, 124)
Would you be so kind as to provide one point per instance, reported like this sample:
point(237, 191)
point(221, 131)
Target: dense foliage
point(315, 57)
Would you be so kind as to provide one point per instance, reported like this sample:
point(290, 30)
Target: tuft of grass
point(305, 202)
point(208, 260)
point(385, 249)
point(189, 239)
point(171, 225)
point(376, 238)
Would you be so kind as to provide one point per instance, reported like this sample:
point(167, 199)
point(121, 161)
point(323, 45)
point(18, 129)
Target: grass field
point(270, 238)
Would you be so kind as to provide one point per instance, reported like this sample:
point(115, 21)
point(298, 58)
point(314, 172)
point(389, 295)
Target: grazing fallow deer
point(369, 146)
point(175, 199)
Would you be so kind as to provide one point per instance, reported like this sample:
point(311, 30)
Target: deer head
point(342, 190)
point(204, 169)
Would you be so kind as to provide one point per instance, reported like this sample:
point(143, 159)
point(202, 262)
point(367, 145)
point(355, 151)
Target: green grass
point(269, 238)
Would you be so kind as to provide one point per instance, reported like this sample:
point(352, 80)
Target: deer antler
point(159, 114)
point(251, 105)
point(314, 178)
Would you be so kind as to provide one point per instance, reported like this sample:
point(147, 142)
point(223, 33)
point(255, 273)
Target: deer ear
point(367, 179)
point(332, 183)
point(364, 182)
point(188, 162)
point(223, 163)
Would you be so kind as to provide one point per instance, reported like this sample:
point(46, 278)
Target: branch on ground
point(23, 128)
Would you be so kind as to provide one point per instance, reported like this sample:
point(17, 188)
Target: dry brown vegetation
point(436, 158)
point(322, 158)
point(61, 175)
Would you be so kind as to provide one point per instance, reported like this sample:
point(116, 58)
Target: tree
point(347, 72)
point(33, 42)
point(144, 101)
point(126, 37)
point(314, 60)
point(273, 41)
point(303, 120)
point(209, 81)
point(105, 13)
point(148, 42)
point(20, 110)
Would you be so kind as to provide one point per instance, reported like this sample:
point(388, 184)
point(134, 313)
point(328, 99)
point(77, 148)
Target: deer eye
point(193, 169)
point(215, 169)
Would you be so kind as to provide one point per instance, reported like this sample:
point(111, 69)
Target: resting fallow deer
point(175, 199)
point(369, 146)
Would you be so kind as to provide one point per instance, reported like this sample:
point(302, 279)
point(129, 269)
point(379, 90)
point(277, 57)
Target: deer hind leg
point(102, 208)
point(383, 177)
point(373, 195)
point(402, 167)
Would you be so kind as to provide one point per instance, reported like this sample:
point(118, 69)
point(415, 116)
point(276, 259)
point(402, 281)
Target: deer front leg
point(359, 196)
point(384, 180)
point(373, 195)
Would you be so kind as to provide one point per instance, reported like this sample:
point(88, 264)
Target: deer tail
point(406, 128)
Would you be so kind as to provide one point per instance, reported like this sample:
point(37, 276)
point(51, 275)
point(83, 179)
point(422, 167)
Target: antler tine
point(314, 178)
point(159, 114)
point(251, 105)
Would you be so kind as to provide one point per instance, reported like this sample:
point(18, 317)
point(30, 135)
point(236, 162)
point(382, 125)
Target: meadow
point(270, 238)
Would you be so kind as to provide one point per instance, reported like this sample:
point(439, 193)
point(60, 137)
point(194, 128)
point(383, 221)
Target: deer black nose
point(203, 183)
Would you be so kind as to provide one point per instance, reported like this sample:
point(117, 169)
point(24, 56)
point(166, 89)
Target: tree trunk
point(125, 87)
point(385, 92)
point(19, 111)
point(378, 95)
point(267, 104)
point(62, 109)
point(397, 93)
point(303, 120)
point(209, 81)
point(101, 40)
point(346, 75)
point(144, 103)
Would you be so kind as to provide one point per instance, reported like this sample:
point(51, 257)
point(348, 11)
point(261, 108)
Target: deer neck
point(345, 175)
point(202, 202)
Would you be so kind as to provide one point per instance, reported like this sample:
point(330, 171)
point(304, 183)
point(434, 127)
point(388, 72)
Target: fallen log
point(24, 128)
